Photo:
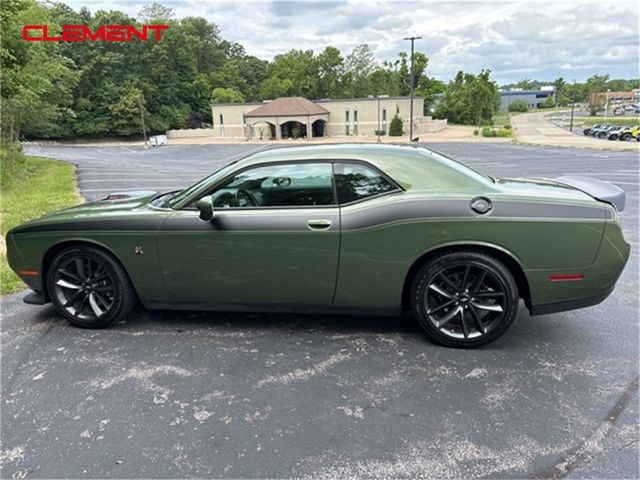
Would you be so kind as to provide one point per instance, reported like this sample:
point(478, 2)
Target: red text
point(82, 33)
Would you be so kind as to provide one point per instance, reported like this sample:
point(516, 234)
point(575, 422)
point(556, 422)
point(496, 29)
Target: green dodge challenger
point(350, 228)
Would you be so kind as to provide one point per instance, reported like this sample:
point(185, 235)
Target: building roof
point(287, 107)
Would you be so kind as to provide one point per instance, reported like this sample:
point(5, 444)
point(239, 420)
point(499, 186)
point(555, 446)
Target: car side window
point(280, 185)
point(355, 181)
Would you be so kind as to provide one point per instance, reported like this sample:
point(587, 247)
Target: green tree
point(469, 99)
point(549, 102)
point(596, 85)
point(37, 82)
point(359, 65)
point(155, 12)
point(226, 95)
point(395, 127)
point(527, 84)
point(330, 66)
point(291, 73)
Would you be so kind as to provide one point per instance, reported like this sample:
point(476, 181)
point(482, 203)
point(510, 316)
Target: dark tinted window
point(355, 181)
point(283, 185)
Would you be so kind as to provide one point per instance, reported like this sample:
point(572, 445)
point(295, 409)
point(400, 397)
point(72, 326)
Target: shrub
point(488, 132)
point(507, 127)
point(493, 132)
point(395, 128)
point(549, 102)
point(518, 106)
point(380, 132)
point(475, 132)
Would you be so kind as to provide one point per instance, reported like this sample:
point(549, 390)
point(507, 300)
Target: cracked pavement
point(189, 394)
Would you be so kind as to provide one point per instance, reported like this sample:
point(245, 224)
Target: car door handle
point(319, 224)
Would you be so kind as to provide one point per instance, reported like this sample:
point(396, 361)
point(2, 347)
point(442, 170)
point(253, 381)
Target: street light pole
point(412, 39)
point(606, 104)
point(573, 104)
point(378, 132)
point(144, 128)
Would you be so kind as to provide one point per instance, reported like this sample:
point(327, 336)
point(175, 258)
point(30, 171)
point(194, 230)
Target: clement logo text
point(82, 33)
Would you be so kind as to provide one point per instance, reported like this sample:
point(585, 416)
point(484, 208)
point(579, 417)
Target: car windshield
point(196, 186)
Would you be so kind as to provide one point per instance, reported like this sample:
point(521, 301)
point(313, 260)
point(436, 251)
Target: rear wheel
point(89, 287)
point(625, 137)
point(465, 298)
point(613, 137)
point(602, 135)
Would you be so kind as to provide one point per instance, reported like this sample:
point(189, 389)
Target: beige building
point(296, 117)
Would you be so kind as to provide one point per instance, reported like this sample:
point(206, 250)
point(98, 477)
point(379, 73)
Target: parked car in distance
point(587, 131)
point(343, 228)
point(602, 131)
point(630, 133)
point(616, 133)
point(619, 111)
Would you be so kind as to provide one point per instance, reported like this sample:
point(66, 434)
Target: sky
point(539, 40)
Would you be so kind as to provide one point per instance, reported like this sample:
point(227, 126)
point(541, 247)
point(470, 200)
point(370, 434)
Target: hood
point(123, 208)
point(112, 203)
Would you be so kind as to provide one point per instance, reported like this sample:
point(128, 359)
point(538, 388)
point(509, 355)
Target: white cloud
point(542, 39)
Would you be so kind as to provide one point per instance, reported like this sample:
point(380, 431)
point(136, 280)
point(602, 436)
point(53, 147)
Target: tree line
point(99, 89)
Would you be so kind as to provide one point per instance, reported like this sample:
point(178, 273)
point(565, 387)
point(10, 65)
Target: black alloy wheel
point(89, 287)
point(465, 299)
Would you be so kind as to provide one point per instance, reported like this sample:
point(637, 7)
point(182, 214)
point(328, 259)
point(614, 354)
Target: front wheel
point(89, 287)
point(465, 299)
point(626, 137)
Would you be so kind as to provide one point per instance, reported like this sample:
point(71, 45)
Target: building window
point(346, 122)
point(355, 122)
point(221, 125)
point(384, 120)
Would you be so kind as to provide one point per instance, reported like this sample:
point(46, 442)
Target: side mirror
point(205, 205)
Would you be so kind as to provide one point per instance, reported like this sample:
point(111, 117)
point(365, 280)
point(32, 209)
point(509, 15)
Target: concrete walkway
point(536, 129)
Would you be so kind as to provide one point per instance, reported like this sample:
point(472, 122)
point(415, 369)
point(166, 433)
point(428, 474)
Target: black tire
point(586, 132)
point(468, 321)
point(613, 137)
point(89, 287)
point(625, 137)
point(602, 135)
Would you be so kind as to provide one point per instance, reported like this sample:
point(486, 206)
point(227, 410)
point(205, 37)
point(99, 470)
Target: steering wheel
point(245, 198)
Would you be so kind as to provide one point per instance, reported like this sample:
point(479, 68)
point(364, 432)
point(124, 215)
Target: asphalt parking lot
point(188, 394)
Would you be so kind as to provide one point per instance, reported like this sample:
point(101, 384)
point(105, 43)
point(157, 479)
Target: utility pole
point(378, 131)
point(573, 104)
point(606, 104)
point(144, 129)
point(412, 39)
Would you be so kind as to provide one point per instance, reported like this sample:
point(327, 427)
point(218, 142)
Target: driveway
point(189, 394)
point(536, 129)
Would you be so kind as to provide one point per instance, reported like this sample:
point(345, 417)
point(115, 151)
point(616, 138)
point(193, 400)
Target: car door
point(274, 239)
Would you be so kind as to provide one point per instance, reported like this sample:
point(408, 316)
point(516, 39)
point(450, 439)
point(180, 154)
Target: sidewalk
point(536, 129)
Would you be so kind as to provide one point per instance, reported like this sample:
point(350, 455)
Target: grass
point(31, 187)
point(611, 120)
point(500, 119)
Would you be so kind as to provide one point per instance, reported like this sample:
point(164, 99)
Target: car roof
point(411, 166)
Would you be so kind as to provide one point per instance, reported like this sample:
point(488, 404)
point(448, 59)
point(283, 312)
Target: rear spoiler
point(598, 189)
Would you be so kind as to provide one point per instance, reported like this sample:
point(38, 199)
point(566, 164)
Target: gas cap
point(481, 205)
